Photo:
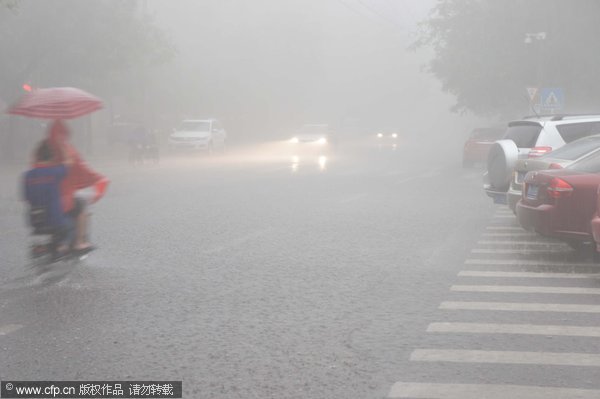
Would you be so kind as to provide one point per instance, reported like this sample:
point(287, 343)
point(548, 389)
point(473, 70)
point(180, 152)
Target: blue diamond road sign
point(552, 99)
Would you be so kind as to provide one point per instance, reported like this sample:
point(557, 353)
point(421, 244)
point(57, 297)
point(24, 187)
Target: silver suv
point(532, 137)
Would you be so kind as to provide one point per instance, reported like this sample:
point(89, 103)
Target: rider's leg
point(80, 215)
point(81, 241)
point(60, 239)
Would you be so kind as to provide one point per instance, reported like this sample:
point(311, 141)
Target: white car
point(311, 143)
point(387, 138)
point(532, 138)
point(199, 134)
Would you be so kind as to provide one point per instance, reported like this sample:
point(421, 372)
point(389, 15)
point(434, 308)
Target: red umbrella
point(56, 103)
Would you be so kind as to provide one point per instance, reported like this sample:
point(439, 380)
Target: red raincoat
point(79, 175)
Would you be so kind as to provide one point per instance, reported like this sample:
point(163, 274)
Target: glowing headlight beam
point(322, 162)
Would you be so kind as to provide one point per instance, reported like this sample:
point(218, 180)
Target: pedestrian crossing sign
point(552, 99)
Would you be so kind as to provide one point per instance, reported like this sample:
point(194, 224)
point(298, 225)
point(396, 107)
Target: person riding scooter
point(42, 192)
point(79, 177)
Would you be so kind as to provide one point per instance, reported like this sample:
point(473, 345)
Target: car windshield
point(314, 129)
point(194, 126)
point(576, 149)
point(524, 135)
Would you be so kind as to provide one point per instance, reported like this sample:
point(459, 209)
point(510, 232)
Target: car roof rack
point(560, 117)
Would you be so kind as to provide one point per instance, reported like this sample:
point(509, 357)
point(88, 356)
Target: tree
point(9, 4)
point(482, 58)
point(74, 43)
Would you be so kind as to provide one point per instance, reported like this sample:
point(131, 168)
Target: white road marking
point(520, 307)
point(520, 289)
point(509, 228)
point(486, 391)
point(477, 273)
point(515, 234)
point(523, 329)
point(9, 328)
point(353, 198)
point(523, 251)
point(503, 216)
point(506, 357)
point(519, 242)
point(512, 262)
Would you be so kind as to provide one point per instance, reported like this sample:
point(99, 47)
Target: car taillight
point(555, 166)
point(539, 151)
point(559, 188)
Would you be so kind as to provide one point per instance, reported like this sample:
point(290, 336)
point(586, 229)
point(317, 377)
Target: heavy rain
point(299, 199)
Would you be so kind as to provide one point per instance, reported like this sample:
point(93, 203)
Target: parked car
point(558, 159)
point(532, 138)
point(561, 203)
point(595, 225)
point(478, 145)
point(199, 134)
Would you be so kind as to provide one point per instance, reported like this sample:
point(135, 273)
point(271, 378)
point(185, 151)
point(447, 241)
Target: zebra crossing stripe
point(520, 307)
point(520, 289)
point(506, 357)
point(521, 251)
point(515, 234)
point(488, 391)
point(508, 228)
point(520, 329)
point(478, 273)
point(523, 262)
point(528, 243)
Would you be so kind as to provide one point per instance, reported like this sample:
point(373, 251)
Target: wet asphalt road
point(247, 279)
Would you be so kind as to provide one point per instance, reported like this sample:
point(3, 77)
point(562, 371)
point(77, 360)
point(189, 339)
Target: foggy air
point(299, 199)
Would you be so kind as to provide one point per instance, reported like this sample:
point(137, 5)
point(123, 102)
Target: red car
point(596, 226)
point(478, 144)
point(561, 203)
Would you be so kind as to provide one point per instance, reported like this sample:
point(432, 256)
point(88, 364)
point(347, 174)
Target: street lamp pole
point(536, 37)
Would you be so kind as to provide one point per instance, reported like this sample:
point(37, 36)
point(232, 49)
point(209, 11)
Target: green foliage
point(9, 4)
point(77, 43)
point(480, 54)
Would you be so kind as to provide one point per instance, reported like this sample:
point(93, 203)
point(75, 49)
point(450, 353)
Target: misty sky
point(308, 61)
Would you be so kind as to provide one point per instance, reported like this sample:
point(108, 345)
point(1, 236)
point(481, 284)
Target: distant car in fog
point(387, 138)
point(478, 145)
point(312, 143)
point(198, 134)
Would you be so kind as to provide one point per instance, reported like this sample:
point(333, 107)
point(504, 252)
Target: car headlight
point(322, 140)
point(395, 135)
point(379, 135)
point(294, 140)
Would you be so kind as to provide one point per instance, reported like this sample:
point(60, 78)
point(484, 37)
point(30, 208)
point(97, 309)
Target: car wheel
point(501, 162)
